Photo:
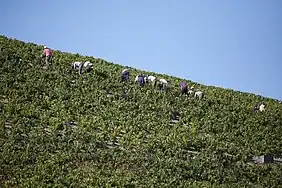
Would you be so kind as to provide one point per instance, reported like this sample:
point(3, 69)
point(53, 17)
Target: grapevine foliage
point(124, 139)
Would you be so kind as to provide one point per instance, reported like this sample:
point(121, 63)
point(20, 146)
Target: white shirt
point(152, 78)
point(76, 64)
point(163, 81)
point(262, 107)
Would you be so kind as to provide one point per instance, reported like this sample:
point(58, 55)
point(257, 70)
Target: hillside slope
point(125, 140)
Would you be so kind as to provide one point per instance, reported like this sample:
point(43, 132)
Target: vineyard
point(62, 129)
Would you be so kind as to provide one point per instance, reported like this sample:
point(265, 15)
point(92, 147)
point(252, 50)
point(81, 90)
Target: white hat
point(125, 70)
point(45, 47)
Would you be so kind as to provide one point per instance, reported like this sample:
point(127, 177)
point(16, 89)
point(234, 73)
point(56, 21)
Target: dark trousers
point(184, 91)
point(124, 77)
point(47, 59)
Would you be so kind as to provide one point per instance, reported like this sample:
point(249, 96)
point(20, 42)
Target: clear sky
point(234, 44)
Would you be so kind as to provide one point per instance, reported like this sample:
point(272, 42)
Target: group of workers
point(161, 83)
point(79, 66)
point(47, 54)
point(141, 79)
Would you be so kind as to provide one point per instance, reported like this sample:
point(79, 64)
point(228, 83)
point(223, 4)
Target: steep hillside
point(126, 140)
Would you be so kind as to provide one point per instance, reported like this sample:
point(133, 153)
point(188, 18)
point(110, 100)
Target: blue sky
point(234, 44)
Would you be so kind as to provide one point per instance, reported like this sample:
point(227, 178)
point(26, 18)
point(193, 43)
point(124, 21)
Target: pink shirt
point(47, 52)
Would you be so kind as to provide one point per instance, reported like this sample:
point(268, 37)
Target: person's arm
point(43, 54)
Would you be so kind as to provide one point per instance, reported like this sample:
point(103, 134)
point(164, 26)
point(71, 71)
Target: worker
point(183, 88)
point(199, 94)
point(77, 66)
point(163, 84)
point(47, 54)
point(125, 75)
point(262, 107)
point(140, 79)
point(88, 66)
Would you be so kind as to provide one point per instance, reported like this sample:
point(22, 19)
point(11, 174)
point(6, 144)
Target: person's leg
point(47, 60)
point(181, 90)
point(50, 59)
point(186, 91)
point(154, 83)
point(80, 68)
